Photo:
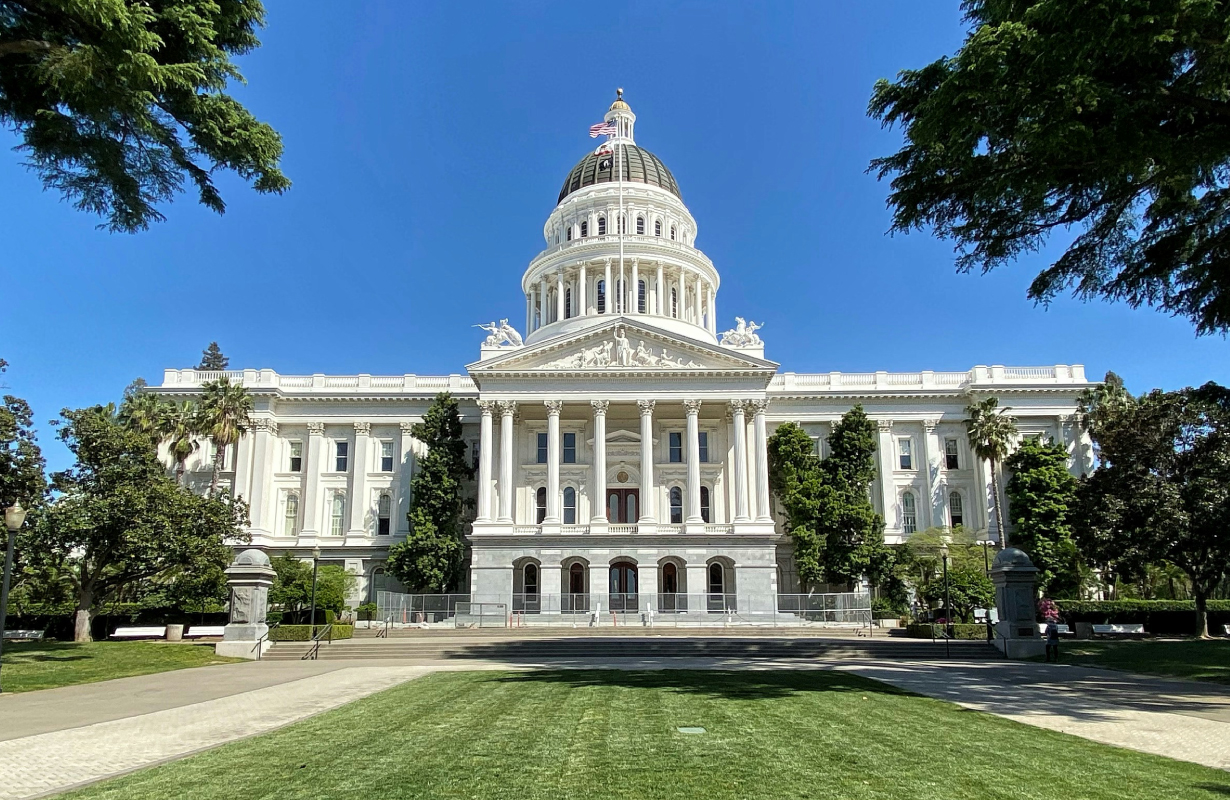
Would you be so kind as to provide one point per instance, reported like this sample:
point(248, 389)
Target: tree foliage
point(21, 460)
point(212, 358)
point(431, 557)
point(1042, 505)
point(120, 103)
point(990, 430)
point(119, 520)
point(223, 417)
point(1162, 490)
point(1111, 117)
point(292, 587)
point(920, 561)
point(838, 537)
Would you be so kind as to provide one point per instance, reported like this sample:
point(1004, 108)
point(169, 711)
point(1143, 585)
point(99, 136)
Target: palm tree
point(991, 430)
point(225, 407)
point(180, 429)
point(146, 412)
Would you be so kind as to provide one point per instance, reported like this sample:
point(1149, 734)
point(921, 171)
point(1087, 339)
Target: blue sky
point(428, 141)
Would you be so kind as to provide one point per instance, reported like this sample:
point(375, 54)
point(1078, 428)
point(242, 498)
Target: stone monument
point(1016, 633)
point(249, 579)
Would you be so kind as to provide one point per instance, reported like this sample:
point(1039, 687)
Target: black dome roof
point(636, 164)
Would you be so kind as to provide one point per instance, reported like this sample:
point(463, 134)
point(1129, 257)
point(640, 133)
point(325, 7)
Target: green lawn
point(45, 665)
point(1193, 658)
point(612, 734)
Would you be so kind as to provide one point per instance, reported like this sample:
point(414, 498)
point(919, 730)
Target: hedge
point(302, 633)
point(61, 625)
point(1162, 617)
point(960, 630)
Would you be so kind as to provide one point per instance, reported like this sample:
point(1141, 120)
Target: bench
point(1136, 629)
point(1064, 630)
point(153, 632)
point(1226, 628)
point(24, 636)
point(201, 631)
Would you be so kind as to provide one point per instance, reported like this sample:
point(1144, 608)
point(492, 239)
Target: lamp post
point(14, 516)
point(986, 558)
point(948, 629)
point(315, 566)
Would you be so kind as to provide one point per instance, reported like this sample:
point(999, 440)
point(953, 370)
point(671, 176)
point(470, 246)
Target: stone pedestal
point(175, 633)
point(249, 579)
point(1016, 633)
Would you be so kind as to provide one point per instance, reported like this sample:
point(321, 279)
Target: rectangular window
point(905, 450)
point(570, 448)
point(336, 522)
point(817, 444)
point(909, 514)
point(292, 514)
point(386, 456)
point(296, 456)
point(384, 510)
point(542, 448)
point(951, 461)
point(956, 513)
point(703, 436)
point(343, 457)
point(676, 447)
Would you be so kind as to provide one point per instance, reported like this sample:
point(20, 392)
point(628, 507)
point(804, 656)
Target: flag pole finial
point(619, 93)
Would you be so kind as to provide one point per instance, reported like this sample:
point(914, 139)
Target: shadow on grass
point(1215, 788)
point(737, 685)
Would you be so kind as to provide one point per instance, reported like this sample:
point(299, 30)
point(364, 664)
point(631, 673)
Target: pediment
point(623, 345)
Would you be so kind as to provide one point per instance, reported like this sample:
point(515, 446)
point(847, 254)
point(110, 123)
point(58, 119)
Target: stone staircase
point(533, 647)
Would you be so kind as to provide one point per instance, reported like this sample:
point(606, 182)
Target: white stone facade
point(619, 446)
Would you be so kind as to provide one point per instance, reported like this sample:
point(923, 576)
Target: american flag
point(602, 129)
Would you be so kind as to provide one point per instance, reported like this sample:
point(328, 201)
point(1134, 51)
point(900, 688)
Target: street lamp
point(14, 516)
point(986, 558)
point(315, 566)
point(948, 628)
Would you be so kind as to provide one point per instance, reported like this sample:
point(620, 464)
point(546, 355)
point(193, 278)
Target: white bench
point(201, 631)
point(1063, 629)
point(1136, 629)
point(152, 632)
point(24, 636)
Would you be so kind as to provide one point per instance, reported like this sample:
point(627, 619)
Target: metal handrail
point(260, 651)
point(383, 633)
point(314, 650)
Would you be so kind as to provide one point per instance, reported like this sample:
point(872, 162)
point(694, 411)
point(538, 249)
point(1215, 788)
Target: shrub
point(303, 633)
point(959, 631)
point(1165, 617)
point(367, 611)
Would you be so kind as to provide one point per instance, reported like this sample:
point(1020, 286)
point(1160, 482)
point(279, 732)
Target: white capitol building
point(621, 442)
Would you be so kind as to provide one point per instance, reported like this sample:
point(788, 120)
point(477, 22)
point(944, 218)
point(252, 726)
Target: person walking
point(1052, 640)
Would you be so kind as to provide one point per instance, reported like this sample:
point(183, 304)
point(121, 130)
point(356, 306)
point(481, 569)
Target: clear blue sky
point(428, 141)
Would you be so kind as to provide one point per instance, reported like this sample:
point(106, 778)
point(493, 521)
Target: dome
point(1012, 558)
point(638, 165)
point(252, 558)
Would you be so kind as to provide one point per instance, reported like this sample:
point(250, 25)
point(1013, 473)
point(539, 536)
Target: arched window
point(640, 296)
point(568, 303)
point(717, 579)
point(529, 579)
point(337, 521)
point(384, 513)
point(540, 503)
point(601, 297)
point(570, 506)
point(909, 513)
point(602, 226)
point(292, 514)
point(672, 233)
point(568, 233)
point(704, 503)
point(674, 302)
point(956, 513)
point(584, 228)
point(657, 227)
point(676, 497)
point(670, 578)
point(640, 226)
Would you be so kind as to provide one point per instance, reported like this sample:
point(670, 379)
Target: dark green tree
point(119, 521)
point(292, 587)
point(1162, 490)
point(1042, 504)
point(920, 562)
point(432, 555)
point(212, 359)
point(838, 537)
point(21, 460)
point(119, 103)
point(1109, 117)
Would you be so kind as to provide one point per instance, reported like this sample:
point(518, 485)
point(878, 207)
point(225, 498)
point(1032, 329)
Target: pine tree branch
point(24, 46)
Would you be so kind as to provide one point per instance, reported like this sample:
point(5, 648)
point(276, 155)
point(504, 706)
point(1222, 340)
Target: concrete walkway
point(56, 739)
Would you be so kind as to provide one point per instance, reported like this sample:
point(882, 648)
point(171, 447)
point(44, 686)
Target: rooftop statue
point(501, 335)
point(742, 335)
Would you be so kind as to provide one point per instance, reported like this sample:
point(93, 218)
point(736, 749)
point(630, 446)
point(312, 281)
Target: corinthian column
point(692, 407)
point(487, 407)
point(607, 294)
point(647, 487)
point(358, 479)
point(740, 426)
point(507, 410)
point(583, 285)
point(311, 488)
point(597, 498)
point(762, 461)
point(553, 454)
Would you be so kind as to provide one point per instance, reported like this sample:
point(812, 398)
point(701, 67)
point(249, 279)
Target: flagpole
point(623, 299)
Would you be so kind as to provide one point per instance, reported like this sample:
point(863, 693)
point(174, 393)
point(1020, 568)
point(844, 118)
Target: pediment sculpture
point(502, 335)
point(742, 335)
point(619, 352)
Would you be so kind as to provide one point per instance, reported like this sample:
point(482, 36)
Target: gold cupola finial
point(619, 101)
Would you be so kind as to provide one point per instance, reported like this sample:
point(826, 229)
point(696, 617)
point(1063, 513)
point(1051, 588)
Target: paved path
point(117, 726)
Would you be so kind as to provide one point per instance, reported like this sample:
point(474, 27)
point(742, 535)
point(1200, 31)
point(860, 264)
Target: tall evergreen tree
point(838, 537)
point(432, 555)
point(1042, 504)
point(212, 359)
